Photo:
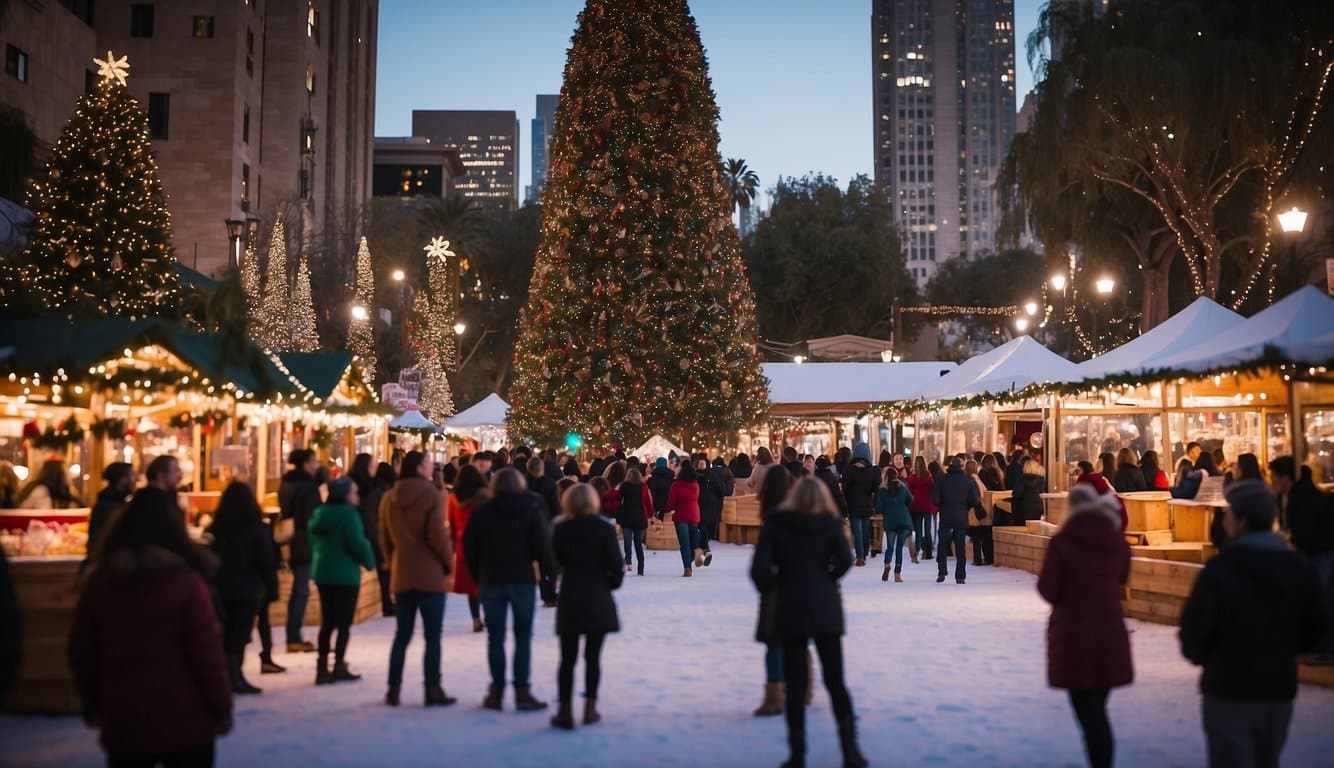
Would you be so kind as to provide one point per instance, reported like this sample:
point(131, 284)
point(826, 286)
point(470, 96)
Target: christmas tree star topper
point(113, 68)
point(438, 248)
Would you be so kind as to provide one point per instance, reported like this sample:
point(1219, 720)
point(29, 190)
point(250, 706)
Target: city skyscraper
point(944, 110)
point(488, 145)
point(544, 127)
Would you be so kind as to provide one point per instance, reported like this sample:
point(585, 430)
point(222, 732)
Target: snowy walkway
point(941, 674)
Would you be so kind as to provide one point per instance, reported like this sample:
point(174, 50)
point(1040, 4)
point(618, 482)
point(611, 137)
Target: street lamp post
point(1104, 287)
point(236, 229)
point(1293, 223)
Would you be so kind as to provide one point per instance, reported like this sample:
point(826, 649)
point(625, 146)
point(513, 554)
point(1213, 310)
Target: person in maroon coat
point(1088, 649)
point(144, 648)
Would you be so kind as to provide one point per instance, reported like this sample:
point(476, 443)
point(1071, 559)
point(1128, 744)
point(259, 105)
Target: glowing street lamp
point(1292, 220)
point(886, 355)
point(1031, 308)
point(398, 275)
point(1105, 285)
point(798, 359)
point(459, 328)
point(359, 312)
point(1021, 324)
point(1058, 282)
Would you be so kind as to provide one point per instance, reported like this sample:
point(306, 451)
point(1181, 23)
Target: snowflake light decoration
point(438, 248)
point(113, 68)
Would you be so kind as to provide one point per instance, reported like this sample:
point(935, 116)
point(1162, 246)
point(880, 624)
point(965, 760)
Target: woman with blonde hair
point(801, 555)
point(979, 528)
point(590, 565)
point(1026, 503)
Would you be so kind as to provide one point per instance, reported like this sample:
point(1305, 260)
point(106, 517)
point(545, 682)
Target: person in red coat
point(470, 491)
point(1088, 649)
point(144, 647)
point(1104, 488)
point(683, 500)
point(923, 513)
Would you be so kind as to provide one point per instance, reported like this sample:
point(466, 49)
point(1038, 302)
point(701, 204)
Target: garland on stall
point(115, 429)
point(953, 310)
point(56, 437)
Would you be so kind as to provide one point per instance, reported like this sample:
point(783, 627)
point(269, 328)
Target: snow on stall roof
point(1181, 332)
point(490, 412)
point(1300, 327)
point(411, 419)
point(794, 383)
point(1011, 366)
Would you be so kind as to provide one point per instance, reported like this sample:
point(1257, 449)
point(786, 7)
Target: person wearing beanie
point(1083, 576)
point(860, 481)
point(824, 472)
point(339, 550)
point(659, 485)
point(1253, 608)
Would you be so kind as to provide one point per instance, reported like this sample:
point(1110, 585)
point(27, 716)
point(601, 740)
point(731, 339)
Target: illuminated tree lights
point(436, 399)
point(101, 234)
point(268, 320)
point(361, 332)
point(301, 319)
point(639, 318)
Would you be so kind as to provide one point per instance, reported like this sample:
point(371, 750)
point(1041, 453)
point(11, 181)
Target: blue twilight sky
point(793, 77)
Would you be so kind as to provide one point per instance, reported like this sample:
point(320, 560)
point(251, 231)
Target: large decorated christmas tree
point(101, 236)
point(640, 318)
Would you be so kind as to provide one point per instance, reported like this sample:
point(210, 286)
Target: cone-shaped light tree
point(304, 337)
point(101, 236)
point(268, 322)
point(361, 329)
point(436, 398)
point(639, 318)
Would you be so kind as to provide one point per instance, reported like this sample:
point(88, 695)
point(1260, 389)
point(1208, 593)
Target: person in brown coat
point(1088, 649)
point(420, 554)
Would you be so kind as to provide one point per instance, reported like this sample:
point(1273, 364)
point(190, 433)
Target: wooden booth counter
point(1190, 519)
point(45, 588)
point(1054, 506)
point(368, 604)
point(741, 520)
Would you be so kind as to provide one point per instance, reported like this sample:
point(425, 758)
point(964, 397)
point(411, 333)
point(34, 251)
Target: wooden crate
point(1016, 548)
point(1148, 538)
point(1054, 506)
point(1182, 552)
point(45, 590)
point(368, 602)
point(663, 535)
point(1190, 519)
point(1147, 510)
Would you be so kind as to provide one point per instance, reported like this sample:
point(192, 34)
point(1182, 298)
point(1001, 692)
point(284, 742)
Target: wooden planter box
point(1147, 510)
point(1054, 507)
point(1017, 548)
point(45, 588)
point(663, 535)
point(1158, 589)
point(1190, 519)
point(741, 520)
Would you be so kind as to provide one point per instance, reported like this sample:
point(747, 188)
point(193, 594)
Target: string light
point(360, 334)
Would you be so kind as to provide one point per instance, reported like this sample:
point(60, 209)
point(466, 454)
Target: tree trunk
point(1154, 305)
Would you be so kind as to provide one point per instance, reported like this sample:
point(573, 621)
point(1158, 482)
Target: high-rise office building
point(488, 145)
point(253, 107)
point(944, 113)
point(544, 127)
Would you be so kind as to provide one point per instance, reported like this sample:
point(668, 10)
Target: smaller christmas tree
point(101, 235)
point(252, 278)
point(361, 332)
point(303, 335)
point(440, 324)
point(436, 399)
point(268, 324)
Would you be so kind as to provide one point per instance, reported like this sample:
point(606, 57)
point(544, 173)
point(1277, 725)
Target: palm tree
point(459, 221)
point(741, 182)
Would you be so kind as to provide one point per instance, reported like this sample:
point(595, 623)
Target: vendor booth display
point(484, 423)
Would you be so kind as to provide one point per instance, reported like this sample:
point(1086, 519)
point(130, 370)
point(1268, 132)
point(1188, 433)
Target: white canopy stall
point(658, 447)
point(483, 422)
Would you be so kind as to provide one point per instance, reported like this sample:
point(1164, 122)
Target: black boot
point(267, 665)
point(436, 696)
point(796, 747)
point(342, 674)
point(493, 698)
point(240, 685)
point(847, 739)
point(524, 700)
point(322, 675)
point(591, 711)
point(391, 697)
point(564, 717)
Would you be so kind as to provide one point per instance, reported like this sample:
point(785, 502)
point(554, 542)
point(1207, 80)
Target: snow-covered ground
point(940, 674)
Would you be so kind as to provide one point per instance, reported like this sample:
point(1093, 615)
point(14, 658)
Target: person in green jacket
point(892, 500)
point(340, 550)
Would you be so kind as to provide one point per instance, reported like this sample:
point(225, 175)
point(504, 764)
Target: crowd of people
point(511, 529)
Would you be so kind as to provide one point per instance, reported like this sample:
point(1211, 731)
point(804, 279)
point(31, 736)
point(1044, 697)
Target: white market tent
point(1012, 366)
point(411, 419)
point(1185, 331)
point(821, 389)
point(1299, 328)
point(490, 412)
point(658, 446)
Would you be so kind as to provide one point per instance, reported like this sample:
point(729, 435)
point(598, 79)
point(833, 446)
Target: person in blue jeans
point(683, 502)
point(420, 554)
point(955, 493)
point(505, 536)
point(298, 496)
point(891, 503)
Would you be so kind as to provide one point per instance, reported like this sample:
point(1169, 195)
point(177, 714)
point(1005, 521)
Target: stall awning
point(411, 420)
point(319, 372)
point(658, 446)
point(1180, 333)
point(819, 389)
point(490, 412)
point(1297, 329)
point(1014, 365)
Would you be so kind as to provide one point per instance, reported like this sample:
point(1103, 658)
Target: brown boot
point(898, 577)
point(494, 696)
point(564, 718)
point(773, 701)
point(591, 711)
point(699, 558)
point(524, 701)
point(687, 573)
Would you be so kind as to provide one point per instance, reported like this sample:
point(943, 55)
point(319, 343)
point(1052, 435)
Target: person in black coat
point(381, 481)
point(1026, 503)
point(542, 485)
point(505, 536)
point(298, 496)
point(633, 514)
point(1253, 608)
point(954, 495)
point(120, 479)
point(990, 474)
point(590, 565)
point(801, 555)
point(1308, 514)
point(860, 482)
point(247, 571)
point(1129, 478)
point(1015, 470)
point(825, 473)
point(712, 490)
point(660, 485)
point(11, 630)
